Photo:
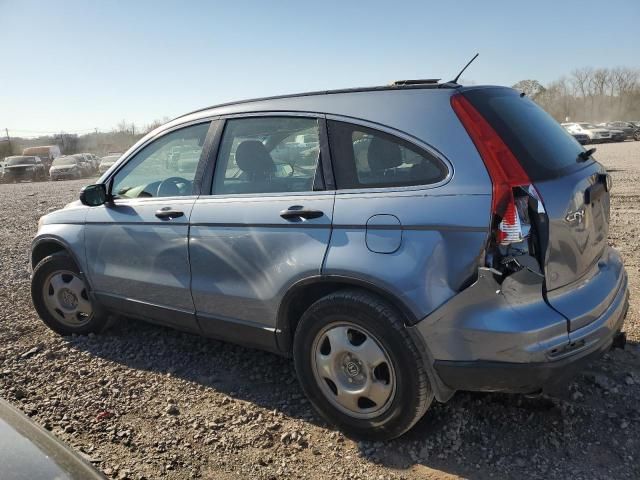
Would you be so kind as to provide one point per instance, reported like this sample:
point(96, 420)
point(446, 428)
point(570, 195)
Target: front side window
point(267, 155)
point(164, 168)
point(367, 158)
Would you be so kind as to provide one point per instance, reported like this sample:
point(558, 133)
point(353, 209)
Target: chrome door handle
point(298, 211)
point(167, 213)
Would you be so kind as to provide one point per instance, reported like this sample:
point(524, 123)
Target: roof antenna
point(455, 80)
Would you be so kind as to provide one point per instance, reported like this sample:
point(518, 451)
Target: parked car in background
point(47, 153)
point(106, 162)
point(617, 135)
point(24, 167)
point(628, 128)
point(66, 168)
point(29, 452)
point(85, 164)
point(389, 279)
point(93, 159)
point(595, 134)
point(582, 138)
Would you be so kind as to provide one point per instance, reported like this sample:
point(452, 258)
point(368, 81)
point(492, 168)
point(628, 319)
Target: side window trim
point(323, 183)
point(130, 156)
point(206, 166)
point(326, 163)
point(414, 141)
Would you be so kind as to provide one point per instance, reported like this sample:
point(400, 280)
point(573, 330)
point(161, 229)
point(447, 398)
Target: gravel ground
point(147, 402)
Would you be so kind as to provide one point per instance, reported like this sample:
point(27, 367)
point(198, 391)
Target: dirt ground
point(147, 402)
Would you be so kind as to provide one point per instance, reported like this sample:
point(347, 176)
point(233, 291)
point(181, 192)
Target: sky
point(73, 66)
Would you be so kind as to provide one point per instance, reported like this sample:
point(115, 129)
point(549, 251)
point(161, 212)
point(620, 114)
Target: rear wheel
point(61, 297)
point(359, 367)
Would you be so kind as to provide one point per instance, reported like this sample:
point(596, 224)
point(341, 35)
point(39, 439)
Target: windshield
point(588, 126)
point(21, 161)
point(65, 161)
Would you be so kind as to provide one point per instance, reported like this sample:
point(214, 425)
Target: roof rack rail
point(417, 81)
point(406, 84)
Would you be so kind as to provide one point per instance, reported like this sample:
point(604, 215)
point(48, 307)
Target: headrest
point(253, 158)
point(383, 154)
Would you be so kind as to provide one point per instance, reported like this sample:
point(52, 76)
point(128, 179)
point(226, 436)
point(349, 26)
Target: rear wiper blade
point(584, 156)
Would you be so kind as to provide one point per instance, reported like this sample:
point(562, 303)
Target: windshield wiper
point(584, 156)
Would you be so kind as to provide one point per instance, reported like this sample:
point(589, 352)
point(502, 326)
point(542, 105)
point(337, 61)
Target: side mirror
point(94, 195)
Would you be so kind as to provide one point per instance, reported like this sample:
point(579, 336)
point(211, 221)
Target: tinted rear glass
point(542, 146)
point(367, 158)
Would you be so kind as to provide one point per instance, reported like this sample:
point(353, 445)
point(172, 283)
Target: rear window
point(368, 158)
point(542, 146)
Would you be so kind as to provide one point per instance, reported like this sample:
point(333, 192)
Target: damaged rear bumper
point(505, 337)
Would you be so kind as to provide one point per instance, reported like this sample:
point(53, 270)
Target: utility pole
point(8, 139)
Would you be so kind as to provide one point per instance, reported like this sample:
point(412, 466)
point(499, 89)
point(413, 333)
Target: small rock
point(20, 393)
point(30, 353)
point(172, 409)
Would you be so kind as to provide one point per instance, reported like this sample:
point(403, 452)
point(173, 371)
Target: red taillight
point(504, 169)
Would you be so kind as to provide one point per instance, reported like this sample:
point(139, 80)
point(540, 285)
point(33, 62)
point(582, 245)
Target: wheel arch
point(44, 246)
point(304, 293)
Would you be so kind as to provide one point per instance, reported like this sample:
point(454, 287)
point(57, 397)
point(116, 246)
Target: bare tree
point(155, 124)
point(594, 95)
point(531, 88)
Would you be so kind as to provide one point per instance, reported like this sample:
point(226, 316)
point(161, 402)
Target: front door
point(265, 225)
point(137, 245)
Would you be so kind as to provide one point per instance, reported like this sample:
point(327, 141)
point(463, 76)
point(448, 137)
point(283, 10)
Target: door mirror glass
point(93, 195)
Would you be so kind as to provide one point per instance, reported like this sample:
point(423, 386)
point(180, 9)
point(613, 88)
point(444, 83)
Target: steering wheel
point(169, 187)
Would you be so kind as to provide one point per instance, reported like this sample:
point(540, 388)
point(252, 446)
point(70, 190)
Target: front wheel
point(359, 367)
point(61, 297)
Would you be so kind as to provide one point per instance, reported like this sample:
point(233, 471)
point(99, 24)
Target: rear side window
point(368, 158)
point(541, 145)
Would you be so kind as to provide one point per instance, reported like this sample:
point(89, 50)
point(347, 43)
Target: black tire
point(413, 392)
point(97, 322)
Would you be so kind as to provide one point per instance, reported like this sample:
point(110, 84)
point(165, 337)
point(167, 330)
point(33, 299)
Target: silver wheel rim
point(66, 298)
point(353, 370)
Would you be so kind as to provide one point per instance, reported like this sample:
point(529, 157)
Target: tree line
point(119, 139)
point(589, 94)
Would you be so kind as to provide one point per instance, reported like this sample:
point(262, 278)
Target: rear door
point(265, 224)
point(575, 195)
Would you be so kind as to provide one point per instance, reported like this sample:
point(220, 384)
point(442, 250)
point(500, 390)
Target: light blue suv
point(399, 242)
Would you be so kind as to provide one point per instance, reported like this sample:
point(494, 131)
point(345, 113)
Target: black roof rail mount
point(417, 81)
